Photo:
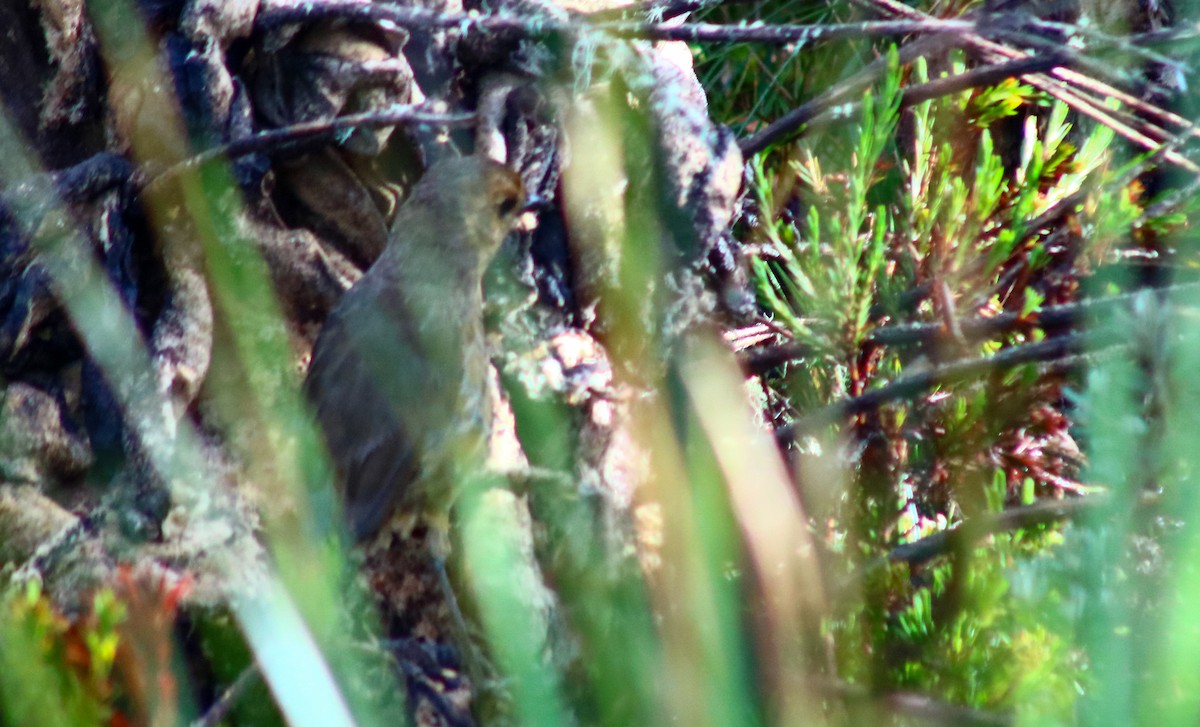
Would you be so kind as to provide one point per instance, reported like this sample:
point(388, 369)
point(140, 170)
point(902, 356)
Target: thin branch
point(290, 136)
point(948, 541)
point(974, 529)
point(1069, 94)
point(1174, 200)
point(93, 176)
point(794, 119)
point(802, 34)
point(1029, 40)
point(761, 360)
point(1133, 44)
point(1104, 90)
point(910, 385)
point(975, 78)
point(277, 16)
point(917, 706)
point(658, 9)
point(1011, 63)
point(1135, 129)
point(538, 26)
point(1162, 36)
point(821, 108)
point(982, 76)
point(1049, 318)
point(1168, 202)
point(220, 709)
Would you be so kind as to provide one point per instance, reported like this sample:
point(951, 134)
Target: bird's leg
point(439, 552)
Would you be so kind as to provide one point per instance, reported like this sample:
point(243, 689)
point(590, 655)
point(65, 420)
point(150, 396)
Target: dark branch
point(1049, 318)
point(657, 9)
point(917, 706)
point(913, 384)
point(820, 111)
point(229, 698)
point(801, 34)
point(290, 136)
point(948, 541)
point(532, 26)
point(968, 532)
point(841, 93)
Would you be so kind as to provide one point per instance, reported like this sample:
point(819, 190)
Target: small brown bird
point(399, 373)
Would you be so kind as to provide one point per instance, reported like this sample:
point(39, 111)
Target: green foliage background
point(1084, 620)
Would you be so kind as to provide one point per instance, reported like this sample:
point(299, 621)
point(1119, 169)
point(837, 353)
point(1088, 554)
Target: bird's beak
point(535, 204)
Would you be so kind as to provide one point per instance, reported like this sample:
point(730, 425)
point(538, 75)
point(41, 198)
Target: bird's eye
point(507, 206)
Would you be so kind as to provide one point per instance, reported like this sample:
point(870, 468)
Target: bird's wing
point(368, 381)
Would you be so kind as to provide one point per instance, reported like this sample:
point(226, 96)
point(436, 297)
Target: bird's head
point(481, 194)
